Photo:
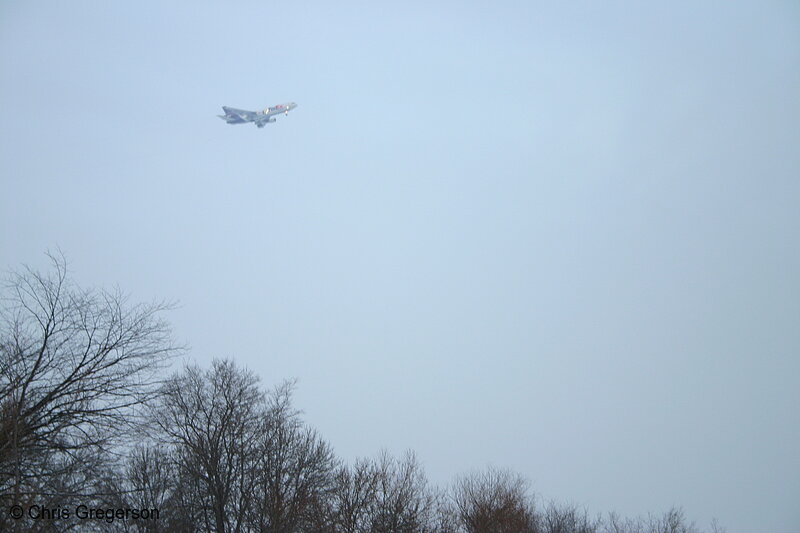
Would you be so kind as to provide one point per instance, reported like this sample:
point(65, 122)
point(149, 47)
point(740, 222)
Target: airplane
point(259, 118)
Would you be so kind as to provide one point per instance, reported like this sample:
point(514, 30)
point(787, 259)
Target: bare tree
point(294, 469)
point(211, 418)
point(75, 366)
point(673, 521)
point(494, 501)
point(617, 524)
point(716, 527)
point(566, 519)
point(386, 494)
point(149, 480)
point(445, 517)
point(351, 499)
point(403, 503)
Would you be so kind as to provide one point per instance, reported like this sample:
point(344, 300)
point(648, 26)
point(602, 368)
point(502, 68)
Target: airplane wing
point(239, 114)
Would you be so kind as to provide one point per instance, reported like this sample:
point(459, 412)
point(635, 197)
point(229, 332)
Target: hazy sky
point(559, 239)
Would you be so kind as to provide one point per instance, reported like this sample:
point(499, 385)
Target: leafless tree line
point(86, 414)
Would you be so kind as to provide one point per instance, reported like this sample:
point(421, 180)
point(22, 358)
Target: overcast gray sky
point(561, 239)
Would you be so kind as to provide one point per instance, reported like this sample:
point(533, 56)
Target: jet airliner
point(259, 118)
